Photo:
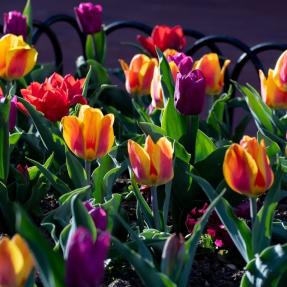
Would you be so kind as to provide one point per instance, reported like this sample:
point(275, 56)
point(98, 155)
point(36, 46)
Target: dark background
point(252, 21)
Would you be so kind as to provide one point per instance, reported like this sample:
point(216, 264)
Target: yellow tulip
point(152, 165)
point(17, 58)
point(246, 167)
point(16, 262)
point(213, 73)
point(90, 135)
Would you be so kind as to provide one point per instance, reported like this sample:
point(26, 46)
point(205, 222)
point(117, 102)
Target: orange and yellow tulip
point(246, 167)
point(90, 135)
point(213, 73)
point(16, 262)
point(272, 95)
point(17, 58)
point(139, 74)
point(153, 164)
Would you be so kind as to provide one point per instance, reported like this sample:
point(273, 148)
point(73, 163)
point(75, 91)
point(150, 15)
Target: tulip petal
point(72, 133)
point(11, 262)
point(106, 136)
point(91, 123)
point(28, 259)
point(237, 159)
point(140, 162)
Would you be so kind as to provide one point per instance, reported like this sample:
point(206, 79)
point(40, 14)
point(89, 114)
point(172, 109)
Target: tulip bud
point(85, 263)
point(89, 17)
point(189, 93)
point(15, 23)
point(173, 255)
point(185, 65)
point(98, 215)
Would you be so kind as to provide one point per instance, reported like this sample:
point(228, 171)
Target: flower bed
point(131, 185)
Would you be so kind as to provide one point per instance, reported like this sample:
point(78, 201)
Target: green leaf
point(261, 112)
point(173, 123)
point(166, 76)
point(81, 216)
point(216, 113)
point(262, 229)
point(152, 130)
point(28, 13)
point(105, 165)
point(204, 146)
point(76, 171)
point(90, 48)
point(55, 181)
point(145, 269)
point(13, 140)
point(4, 139)
point(100, 46)
point(86, 83)
point(147, 213)
point(100, 74)
point(237, 228)
point(266, 269)
point(51, 141)
point(49, 264)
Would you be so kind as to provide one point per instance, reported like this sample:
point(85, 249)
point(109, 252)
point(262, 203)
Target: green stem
point(253, 210)
point(193, 123)
point(154, 203)
point(166, 204)
point(88, 170)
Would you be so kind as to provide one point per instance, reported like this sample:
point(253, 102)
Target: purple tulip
point(15, 23)
point(189, 93)
point(183, 62)
point(98, 214)
point(89, 17)
point(85, 262)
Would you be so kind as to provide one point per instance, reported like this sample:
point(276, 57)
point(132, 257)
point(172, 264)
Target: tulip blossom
point(246, 167)
point(17, 58)
point(90, 135)
point(15, 23)
point(139, 74)
point(189, 93)
point(271, 94)
point(16, 262)
point(55, 96)
point(98, 215)
point(85, 262)
point(153, 164)
point(213, 73)
point(163, 37)
point(280, 72)
point(89, 17)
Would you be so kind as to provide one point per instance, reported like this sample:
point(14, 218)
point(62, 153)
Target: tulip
point(98, 215)
point(89, 17)
point(246, 167)
point(152, 165)
point(164, 37)
point(17, 58)
point(85, 262)
point(55, 96)
point(280, 72)
point(16, 262)
point(15, 23)
point(272, 95)
point(213, 73)
point(139, 74)
point(173, 255)
point(90, 135)
point(189, 93)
